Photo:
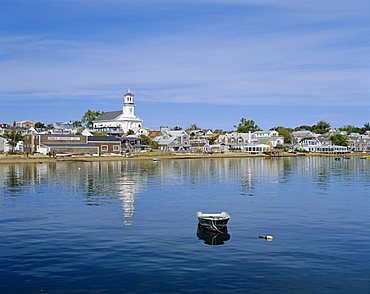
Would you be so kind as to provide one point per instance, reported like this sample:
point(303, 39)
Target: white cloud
point(282, 68)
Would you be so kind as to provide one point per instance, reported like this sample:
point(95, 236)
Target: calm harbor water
point(130, 226)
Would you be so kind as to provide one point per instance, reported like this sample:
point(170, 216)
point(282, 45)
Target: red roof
point(153, 134)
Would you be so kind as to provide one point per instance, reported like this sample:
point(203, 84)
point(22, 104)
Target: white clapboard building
point(119, 122)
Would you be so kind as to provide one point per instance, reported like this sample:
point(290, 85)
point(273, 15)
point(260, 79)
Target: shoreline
point(37, 159)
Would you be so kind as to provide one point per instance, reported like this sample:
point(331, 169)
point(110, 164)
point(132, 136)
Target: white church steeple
point(128, 105)
point(117, 121)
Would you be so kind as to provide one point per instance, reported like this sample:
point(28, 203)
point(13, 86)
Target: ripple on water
point(124, 226)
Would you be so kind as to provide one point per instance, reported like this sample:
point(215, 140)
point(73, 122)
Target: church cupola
point(128, 98)
point(128, 104)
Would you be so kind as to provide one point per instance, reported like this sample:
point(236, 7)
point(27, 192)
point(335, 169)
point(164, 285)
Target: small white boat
point(156, 159)
point(64, 154)
point(213, 221)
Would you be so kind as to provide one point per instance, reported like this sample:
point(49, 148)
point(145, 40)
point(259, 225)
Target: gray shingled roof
point(108, 115)
point(65, 145)
point(103, 138)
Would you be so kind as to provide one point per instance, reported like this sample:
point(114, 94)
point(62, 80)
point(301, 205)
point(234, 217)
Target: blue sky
point(208, 62)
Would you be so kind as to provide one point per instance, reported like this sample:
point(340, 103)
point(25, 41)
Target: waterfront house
point(195, 133)
point(131, 143)
point(265, 134)
point(63, 126)
point(309, 145)
point(4, 128)
point(332, 149)
point(25, 124)
point(235, 140)
point(171, 141)
point(154, 133)
point(4, 145)
point(58, 144)
point(359, 143)
point(270, 138)
point(106, 144)
point(219, 148)
point(200, 141)
point(86, 132)
point(301, 135)
point(209, 133)
point(243, 142)
point(142, 132)
point(319, 146)
point(200, 145)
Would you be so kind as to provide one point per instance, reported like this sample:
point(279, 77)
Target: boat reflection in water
point(211, 237)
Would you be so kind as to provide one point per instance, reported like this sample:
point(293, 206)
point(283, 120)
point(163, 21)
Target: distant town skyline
point(206, 62)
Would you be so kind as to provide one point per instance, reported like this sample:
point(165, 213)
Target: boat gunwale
point(213, 216)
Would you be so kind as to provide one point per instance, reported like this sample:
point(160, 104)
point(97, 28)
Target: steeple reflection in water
point(126, 193)
point(120, 180)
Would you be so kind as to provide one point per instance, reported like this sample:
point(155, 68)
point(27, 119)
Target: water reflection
point(212, 237)
point(62, 227)
point(105, 183)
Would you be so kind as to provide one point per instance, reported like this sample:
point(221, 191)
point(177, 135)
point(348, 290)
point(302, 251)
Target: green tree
point(366, 127)
point(49, 127)
point(303, 127)
point(177, 128)
point(277, 128)
point(193, 127)
point(246, 126)
point(321, 127)
point(130, 132)
point(153, 144)
point(90, 116)
point(148, 142)
point(13, 137)
point(286, 133)
point(211, 140)
point(77, 124)
point(40, 125)
point(339, 140)
point(145, 140)
point(350, 129)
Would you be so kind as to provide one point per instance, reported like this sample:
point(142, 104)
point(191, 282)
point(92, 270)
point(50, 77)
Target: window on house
point(115, 148)
point(104, 148)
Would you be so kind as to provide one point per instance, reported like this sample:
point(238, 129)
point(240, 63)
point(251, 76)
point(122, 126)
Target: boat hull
point(213, 223)
point(216, 222)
